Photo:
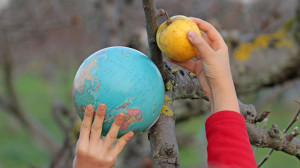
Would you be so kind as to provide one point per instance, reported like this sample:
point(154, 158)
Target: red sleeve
point(228, 141)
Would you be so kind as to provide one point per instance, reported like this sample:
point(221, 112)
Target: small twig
point(293, 134)
point(266, 158)
point(262, 116)
point(288, 136)
point(59, 111)
point(294, 119)
point(162, 12)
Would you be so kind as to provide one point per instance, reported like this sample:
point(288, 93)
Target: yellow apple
point(172, 40)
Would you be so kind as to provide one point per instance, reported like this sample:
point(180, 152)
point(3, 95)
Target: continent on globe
point(125, 104)
point(86, 75)
point(119, 109)
point(132, 116)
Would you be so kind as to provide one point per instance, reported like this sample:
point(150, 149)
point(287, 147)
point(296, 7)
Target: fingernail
point(131, 134)
point(191, 34)
point(89, 107)
point(121, 117)
point(102, 107)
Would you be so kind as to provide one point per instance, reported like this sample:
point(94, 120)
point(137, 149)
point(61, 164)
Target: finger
point(97, 124)
point(86, 123)
point(121, 143)
point(205, 51)
point(213, 35)
point(198, 56)
point(189, 65)
point(113, 132)
point(204, 36)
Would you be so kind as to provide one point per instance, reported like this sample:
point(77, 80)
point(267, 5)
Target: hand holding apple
point(212, 67)
point(172, 40)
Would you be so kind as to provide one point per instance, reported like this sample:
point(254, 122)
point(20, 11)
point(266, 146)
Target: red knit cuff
point(224, 117)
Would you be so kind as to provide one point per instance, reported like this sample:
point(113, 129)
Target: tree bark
point(151, 26)
point(162, 136)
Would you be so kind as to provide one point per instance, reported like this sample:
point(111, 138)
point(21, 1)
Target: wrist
point(224, 97)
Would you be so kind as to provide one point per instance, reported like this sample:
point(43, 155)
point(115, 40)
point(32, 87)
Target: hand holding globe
point(126, 81)
point(91, 147)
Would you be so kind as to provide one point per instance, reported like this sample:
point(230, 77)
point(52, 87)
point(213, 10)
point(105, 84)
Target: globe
point(126, 81)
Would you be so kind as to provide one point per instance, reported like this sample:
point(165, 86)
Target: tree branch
point(12, 102)
point(162, 136)
point(4, 104)
point(65, 155)
point(294, 119)
point(151, 27)
point(192, 111)
point(184, 84)
point(258, 136)
point(254, 80)
point(264, 124)
point(59, 110)
point(286, 69)
point(289, 137)
point(273, 138)
point(275, 92)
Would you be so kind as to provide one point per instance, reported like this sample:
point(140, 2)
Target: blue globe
point(126, 81)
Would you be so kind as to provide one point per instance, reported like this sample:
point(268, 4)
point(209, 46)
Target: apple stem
point(169, 20)
point(162, 12)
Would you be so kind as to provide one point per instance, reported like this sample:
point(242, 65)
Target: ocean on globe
point(126, 81)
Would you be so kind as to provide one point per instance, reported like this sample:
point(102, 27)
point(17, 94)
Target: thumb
point(204, 49)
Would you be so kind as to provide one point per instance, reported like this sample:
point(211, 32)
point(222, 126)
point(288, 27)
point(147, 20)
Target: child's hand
point(212, 67)
point(93, 152)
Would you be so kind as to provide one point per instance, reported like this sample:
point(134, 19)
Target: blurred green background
point(42, 43)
